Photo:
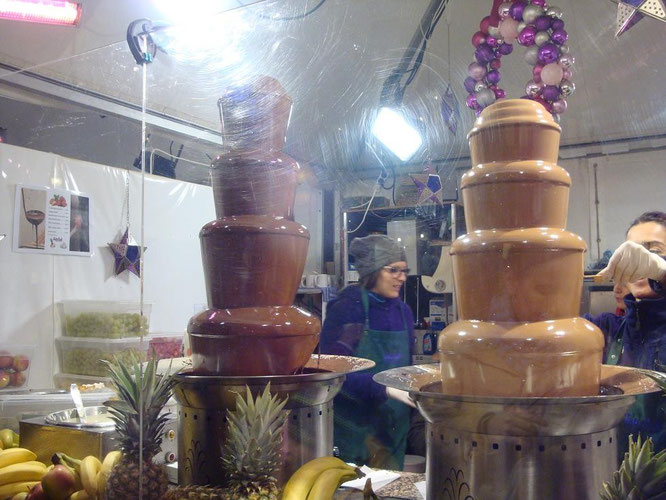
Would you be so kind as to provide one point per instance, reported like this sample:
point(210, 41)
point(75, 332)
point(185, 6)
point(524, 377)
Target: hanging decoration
point(629, 12)
point(538, 27)
point(429, 186)
point(128, 257)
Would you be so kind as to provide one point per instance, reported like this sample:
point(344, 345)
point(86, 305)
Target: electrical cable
point(374, 193)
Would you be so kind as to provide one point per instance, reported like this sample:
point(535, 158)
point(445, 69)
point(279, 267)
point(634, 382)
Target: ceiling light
point(392, 130)
point(41, 11)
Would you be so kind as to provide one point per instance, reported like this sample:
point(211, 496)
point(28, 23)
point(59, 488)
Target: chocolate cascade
point(253, 253)
point(518, 273)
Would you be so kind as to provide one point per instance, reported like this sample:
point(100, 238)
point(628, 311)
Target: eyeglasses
point(395, 271)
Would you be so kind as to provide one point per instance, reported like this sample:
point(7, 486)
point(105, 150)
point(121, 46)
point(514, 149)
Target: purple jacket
point(343, 329)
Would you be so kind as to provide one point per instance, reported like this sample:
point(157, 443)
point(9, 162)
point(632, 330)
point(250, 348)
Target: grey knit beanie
point(373, 252)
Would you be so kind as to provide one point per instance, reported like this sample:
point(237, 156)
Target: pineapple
point(251, 454)
point(142, 395)
point(642, 475)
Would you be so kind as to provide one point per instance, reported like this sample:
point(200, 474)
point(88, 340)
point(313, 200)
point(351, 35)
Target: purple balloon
point(550, 92)
point(505, 49)
point(548, 53)
point(516, 10)
point(540, 3)
point(542, 23)
point(493, 76)
point(499, 93)
point(557, 24)
point(559, 36)
point(492, 41)
point(471, 101)
point(559, 106)
point(484, 53)
point(526, 37)
point(469, 84)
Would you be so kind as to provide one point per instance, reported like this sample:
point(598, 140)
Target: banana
point(80, 495)
point(328, 481)
point(90, 466)
point(300, 483)
point(11, 489)
point(15, 455)
point(33, 471)
point(21, 496)
point(110, 461)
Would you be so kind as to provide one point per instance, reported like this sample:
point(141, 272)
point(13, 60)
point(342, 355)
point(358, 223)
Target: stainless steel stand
point(519, 448)
point(203, 401)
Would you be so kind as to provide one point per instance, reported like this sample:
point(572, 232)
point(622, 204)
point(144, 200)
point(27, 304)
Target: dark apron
point(367, 433)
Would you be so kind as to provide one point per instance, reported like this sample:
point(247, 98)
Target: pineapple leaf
point(643, 455)
point(658, 377)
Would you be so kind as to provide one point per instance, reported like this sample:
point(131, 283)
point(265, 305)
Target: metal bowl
point(99, 415)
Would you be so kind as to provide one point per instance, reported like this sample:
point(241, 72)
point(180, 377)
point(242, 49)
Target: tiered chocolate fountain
point(514, 409)
point(253, 257)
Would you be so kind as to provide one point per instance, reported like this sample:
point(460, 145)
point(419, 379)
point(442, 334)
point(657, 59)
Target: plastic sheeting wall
point(174, 284)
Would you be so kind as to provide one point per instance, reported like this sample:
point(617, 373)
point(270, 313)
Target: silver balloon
point(494, 31)
point(556, 117)
point(485, 97)
point(553, 11)
point(532, 55)
point(503, 10)
point(567, 88)
point(479, 85)
point(564, 49)
point(566, 60)
point(521, 26)
point(531, 12)
point(541, 37)
point(532, 88)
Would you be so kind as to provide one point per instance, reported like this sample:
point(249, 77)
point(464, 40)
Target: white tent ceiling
point(334, 63)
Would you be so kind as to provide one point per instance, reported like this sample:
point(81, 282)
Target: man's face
point(652, 236)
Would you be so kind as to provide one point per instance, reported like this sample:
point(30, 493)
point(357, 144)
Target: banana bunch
point(19, 471)
point(110, 461)
point(318, 479)
point(91, 474)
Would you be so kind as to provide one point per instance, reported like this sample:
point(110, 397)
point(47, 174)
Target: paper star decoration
point(450, 110)
point(127, 256)
point(430, 187)
point(629, 12)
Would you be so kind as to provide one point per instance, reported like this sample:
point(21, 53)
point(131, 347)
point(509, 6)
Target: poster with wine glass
point(52, 221)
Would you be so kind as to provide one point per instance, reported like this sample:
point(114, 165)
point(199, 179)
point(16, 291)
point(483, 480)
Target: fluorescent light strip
point(59, 12)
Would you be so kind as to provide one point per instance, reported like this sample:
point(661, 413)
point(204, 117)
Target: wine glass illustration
point(31, 200)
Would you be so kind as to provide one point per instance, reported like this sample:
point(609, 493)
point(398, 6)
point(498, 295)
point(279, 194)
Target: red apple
point(21, 363)
point(59, 483)
point(4, 379)
point(6, 361)
point(17, 379)
point(37, 493)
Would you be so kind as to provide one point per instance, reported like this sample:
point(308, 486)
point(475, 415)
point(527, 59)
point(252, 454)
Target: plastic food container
point(21, 404)
point(83, 356)
point(15, 361)
point(166, 346)
point(105, 319)
point(86, 383)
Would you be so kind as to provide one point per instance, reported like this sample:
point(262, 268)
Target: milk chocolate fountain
point(251, 334)
point(520, 406)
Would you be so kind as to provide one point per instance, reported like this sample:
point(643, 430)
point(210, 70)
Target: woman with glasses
point(369, 320)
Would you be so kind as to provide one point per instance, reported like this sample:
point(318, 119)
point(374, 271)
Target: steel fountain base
point(203, 401)
point(519, 448)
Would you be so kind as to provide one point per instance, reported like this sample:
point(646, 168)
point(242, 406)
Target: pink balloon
point(509, 29)
point(551, 74)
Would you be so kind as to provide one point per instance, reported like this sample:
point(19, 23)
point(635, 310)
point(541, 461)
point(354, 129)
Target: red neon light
point(41, 11)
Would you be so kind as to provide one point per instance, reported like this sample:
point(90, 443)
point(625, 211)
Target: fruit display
point(14, 367)
point(105, 325)
point(251, 454)
point(19, 472)
point(165, 347)
point(86, 356)
point(318, 479)
point(142, 396)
